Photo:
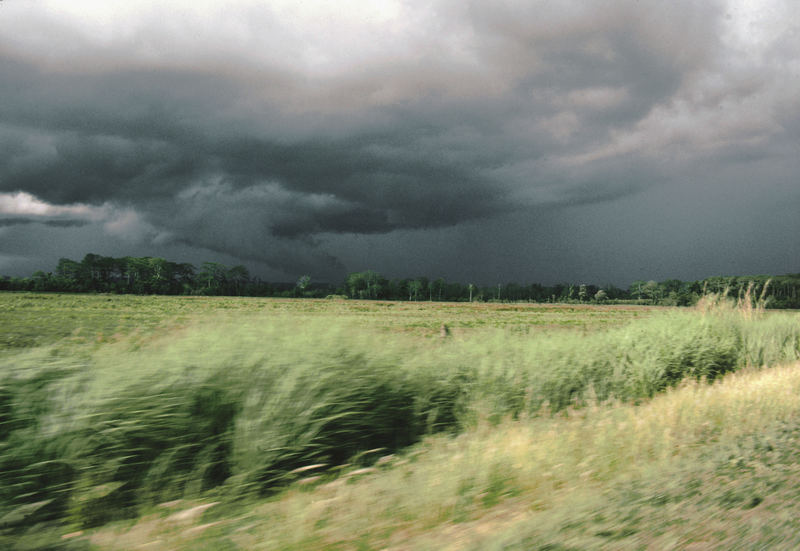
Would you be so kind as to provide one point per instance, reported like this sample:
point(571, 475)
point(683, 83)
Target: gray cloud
point(278, 139)
point(52, 223)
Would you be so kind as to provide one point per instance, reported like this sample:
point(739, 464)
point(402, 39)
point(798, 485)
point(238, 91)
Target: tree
point(68, 274)
point(414, 288)
point(302, 284)
point(515, 292)
point(91, 271)
point(160, 272)
point(439, 286)
point(397, 289)
point(42, 281)
point(184, 278)
point(600, 296)
point(303, 281)
point(365, 285)
point(636, 288)
point(651, 290)
point(213, 277)
point(237, 277)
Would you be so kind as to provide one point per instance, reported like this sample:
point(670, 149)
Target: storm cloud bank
point(295, 137)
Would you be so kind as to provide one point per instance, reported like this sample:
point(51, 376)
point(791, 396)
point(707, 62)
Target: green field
point(31, 319)
point(247, 423)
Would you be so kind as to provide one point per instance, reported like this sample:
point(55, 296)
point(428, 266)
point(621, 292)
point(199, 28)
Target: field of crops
point(245, 423)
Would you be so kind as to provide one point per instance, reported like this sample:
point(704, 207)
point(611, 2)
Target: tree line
point(151, 275)
point(147, 276)
point(777, 291)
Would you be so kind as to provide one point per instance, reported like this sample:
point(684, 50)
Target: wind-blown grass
point(620, 476)
point(239, 407)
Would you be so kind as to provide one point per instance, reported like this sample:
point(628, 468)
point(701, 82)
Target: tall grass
point(533, 483)
point(241, 406)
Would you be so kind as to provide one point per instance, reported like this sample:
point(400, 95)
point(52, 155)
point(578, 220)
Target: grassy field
point(35, 319)
point(243, 423)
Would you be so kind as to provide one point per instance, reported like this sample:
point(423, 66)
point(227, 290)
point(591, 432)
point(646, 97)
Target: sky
point(488, 142)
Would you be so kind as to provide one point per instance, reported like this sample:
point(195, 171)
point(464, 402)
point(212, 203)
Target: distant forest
point(156, 276)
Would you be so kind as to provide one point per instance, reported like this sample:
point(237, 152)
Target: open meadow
point(248, 423)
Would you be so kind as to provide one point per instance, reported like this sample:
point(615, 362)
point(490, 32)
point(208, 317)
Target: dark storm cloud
point(133, 137)
point(71, 138)
point(90, 139)
point(486, 110)
point(5, 222)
